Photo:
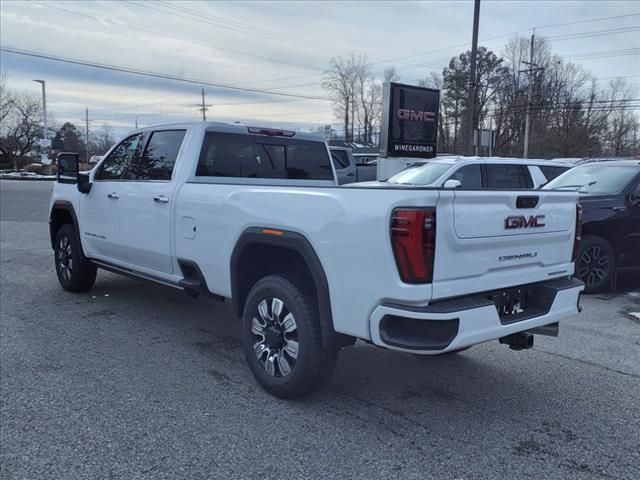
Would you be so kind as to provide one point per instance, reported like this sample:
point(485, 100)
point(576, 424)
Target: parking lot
point(135, 380)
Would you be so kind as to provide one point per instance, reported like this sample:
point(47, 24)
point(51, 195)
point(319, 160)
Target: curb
point(28, 179)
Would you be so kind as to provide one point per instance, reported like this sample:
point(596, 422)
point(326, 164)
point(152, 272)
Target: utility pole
point(203, 108)
point(86, 131)
point(525, 153)
point(471, 101)
point(136, 121)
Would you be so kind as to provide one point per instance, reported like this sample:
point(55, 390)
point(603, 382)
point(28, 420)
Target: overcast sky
point(275, 46)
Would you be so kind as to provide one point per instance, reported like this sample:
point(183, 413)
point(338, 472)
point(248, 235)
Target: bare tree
point(103, 139)
point(622, 121)
point(20, 129)
point(7, 98)
point(391, 75)
point(340, 82)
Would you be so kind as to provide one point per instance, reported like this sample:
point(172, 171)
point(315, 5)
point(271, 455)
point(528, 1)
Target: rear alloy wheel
point(595, 264)
point(276, 337)
point(75, 273)
point(282, 341)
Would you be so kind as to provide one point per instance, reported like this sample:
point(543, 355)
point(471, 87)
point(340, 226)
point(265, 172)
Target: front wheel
point(595, 264)
point(75, 274)
point(282, 341)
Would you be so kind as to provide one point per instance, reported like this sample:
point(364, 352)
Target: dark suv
point(610, 199)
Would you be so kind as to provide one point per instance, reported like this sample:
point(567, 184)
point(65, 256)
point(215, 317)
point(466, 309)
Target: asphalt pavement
point(138, 381)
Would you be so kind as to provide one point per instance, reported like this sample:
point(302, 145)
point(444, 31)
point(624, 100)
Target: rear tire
point(595, 264)
point(281, 339)
point(75, 273)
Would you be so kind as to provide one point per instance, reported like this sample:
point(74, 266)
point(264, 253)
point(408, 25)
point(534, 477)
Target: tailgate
point(497, 239)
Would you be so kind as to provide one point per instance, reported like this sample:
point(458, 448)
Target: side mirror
point(634, 198)
point(68, 167)
point(84, 182)
point(452, 184)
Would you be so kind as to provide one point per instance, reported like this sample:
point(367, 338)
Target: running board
point(190, 286)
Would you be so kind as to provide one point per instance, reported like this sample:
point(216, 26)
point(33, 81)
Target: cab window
point(469, 176)
point(117, 164)
point(159, 157)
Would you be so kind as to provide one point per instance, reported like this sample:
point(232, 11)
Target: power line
point(202, 17)
point(183, 39)
point(164, 76)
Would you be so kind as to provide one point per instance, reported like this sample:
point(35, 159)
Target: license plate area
point(518, 303)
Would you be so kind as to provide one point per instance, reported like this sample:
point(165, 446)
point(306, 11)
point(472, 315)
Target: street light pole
point(44, 116)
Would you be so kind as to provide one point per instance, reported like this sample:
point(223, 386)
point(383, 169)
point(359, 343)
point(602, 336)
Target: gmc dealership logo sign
point(409, 125)
point(521, 221)
point(412, 115)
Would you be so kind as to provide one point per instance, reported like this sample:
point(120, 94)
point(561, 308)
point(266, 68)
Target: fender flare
point(297, 242)
point(67, 207)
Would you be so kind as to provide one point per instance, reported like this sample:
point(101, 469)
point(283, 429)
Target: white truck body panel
point(349, 230)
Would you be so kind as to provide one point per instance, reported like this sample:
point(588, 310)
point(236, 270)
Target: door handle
point(161, 199)
point(350, 174)
point(113, 195)
point(619, 209)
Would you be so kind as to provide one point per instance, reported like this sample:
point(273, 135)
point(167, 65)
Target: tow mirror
point(68, 167)
point(84, 182)
point(452, 184)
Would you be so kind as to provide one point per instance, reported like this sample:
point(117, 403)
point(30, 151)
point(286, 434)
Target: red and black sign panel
point(410, 121)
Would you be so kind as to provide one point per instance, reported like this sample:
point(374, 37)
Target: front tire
point(75, 274)
point(282, 341)
point(595, 264)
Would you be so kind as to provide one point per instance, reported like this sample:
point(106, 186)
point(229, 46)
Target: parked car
point(94, 159)
point(255, 215)
point(343, 164)
point(610, 199)
point(347, 168)
point(480, 172)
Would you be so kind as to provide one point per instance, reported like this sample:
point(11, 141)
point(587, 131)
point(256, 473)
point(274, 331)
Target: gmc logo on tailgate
point(522, 221)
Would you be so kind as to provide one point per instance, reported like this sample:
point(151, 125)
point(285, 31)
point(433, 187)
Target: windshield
point(423, 175)
point(594, 179)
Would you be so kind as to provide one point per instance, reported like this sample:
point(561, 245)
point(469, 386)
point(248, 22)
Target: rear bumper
point(463, 321)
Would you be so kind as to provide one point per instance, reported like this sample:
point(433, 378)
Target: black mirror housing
point(68, 164)
point(84, 182)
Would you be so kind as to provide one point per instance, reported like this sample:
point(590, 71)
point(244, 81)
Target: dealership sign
point(409, 126)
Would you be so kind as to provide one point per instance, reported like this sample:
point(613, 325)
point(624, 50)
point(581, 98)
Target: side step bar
point(191, 286)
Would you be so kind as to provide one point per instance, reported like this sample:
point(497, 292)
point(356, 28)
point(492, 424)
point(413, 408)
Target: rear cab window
point(551, 172)
point(237, 155)
point(508, 176)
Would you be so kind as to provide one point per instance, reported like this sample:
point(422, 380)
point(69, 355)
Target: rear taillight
point(578, 236)
point(413, 239)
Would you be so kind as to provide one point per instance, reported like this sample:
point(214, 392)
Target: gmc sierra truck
point(256, 216)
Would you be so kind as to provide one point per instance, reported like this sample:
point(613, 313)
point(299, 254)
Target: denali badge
point(518, 256)
point(520, 221)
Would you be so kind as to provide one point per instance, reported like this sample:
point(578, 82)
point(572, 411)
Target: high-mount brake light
point(413, 239)
point(272, 132)
point(578, 236)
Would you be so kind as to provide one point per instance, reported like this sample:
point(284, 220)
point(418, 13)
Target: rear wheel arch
point(257, 255)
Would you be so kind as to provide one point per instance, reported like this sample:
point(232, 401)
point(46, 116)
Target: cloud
point(224, 41)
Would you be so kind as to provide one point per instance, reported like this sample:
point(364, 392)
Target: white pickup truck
point(256, 216)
